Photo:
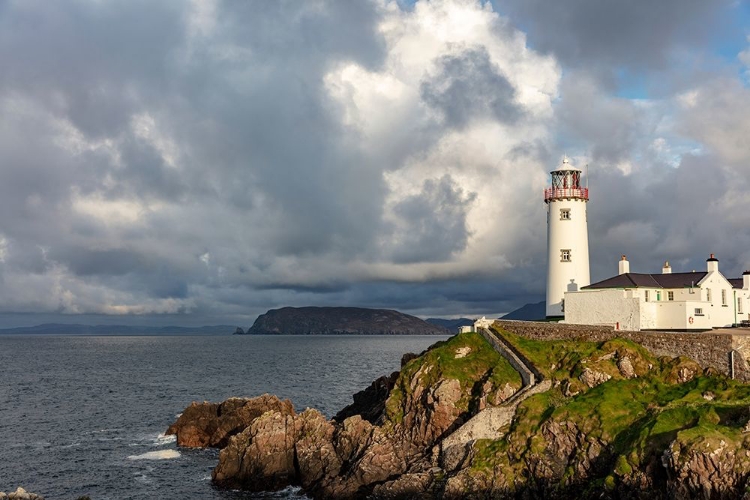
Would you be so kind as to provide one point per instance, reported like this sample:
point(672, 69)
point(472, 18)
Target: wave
point(162, 439)
point(156, 455)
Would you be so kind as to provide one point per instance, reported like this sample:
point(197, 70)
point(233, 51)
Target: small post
point(731, 364)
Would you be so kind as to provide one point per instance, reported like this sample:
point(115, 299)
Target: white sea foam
point(162, 439)
point(156, 455)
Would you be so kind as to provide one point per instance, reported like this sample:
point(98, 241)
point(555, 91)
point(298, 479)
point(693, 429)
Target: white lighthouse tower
point(567, 236)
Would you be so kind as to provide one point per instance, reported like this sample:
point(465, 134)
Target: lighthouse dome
point(566, 166)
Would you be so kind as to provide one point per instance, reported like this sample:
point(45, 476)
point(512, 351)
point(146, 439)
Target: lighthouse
point(567, 236)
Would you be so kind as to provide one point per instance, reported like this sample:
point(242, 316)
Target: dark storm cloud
point(146, 173)
point(659, 214)
point(89, 62)
point(468, 87)
point(435, 222)
point(304, 32)
point(279, 130)
point(249, 130)
point(473, 296)
point(635, 34)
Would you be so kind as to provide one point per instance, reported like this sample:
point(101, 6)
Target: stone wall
point(527, 376)
point(709, 349)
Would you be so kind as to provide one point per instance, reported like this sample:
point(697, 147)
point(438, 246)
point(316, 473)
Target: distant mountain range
point(75, 329)
point(450, 324)
point(341, 321)
point(529, 312)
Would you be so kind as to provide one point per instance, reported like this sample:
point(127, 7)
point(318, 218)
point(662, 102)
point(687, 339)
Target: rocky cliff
point(341, 320)
point(609, 421)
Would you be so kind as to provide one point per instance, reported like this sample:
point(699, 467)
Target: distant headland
point(341, 321)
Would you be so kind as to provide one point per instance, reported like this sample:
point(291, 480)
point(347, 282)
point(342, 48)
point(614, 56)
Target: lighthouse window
point(564, 214)
point(723, 297)
point(646, 295)
point(670, 295)
point(564, 255)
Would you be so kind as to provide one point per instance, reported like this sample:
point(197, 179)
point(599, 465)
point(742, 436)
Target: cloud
point(744, 58)
point(467, 87)
point(433, 222)
point(197, 162)
point(638, 35)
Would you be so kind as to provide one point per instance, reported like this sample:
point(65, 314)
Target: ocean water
point(85, 415)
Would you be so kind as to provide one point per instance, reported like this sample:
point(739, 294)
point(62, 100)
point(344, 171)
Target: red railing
point(559, 194)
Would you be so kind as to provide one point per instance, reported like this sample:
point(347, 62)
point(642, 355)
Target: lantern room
point(566, 184)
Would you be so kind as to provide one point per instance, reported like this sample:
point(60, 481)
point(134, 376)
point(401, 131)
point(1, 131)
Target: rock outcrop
point(20, 494)
point(608, 420)
point(341, 320)
point(370, 403)
point(207, 424)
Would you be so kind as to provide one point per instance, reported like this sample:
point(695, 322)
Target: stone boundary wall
point(708, 349)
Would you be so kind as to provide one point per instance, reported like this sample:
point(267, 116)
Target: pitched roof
point(736, 282)
point(635, 280)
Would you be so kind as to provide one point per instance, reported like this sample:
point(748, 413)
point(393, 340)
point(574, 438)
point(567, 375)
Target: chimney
point(666, 268)
point(624, 265)
point(746, 280)
point(712, 264)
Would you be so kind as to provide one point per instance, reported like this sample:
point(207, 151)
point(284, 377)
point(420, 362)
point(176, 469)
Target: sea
point(86, 415)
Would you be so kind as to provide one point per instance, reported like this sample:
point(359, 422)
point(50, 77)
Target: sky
point(189, 163)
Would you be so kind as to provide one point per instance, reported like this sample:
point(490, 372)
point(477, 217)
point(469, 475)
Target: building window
point(724, 298)
point(670, 295)
point(658, 295)
point(564, 214)
point(739, 305)
point(708, 294)
point(646, 295)
point(699, 311)
point(565, 255)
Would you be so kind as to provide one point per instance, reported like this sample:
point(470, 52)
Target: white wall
point(719, 314)
point(629, 309)
point(610, 306)
point(744, 296)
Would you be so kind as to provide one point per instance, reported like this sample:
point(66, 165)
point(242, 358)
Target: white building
point(567, 236)
point(666, 301)
point(482, 322)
